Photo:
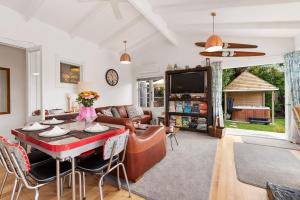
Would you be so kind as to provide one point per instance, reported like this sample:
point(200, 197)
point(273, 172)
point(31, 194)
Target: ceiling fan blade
point(231, 54)
point(116, 9)
point(230, 45)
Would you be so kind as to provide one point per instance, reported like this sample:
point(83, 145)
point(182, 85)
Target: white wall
point(58, 44)
point(15, 60)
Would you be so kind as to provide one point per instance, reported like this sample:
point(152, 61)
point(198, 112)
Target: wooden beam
point(141, 41)
point(145, 8)
point(32, 8)
point(121, 30)
point(85, 19)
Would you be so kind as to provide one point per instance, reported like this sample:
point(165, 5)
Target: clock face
point(112, 77)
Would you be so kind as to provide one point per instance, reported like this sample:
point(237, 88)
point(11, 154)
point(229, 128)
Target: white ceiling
point(96, 21)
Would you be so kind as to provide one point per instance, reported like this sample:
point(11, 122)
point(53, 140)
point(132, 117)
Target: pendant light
point(125, 57)
point(214, 42)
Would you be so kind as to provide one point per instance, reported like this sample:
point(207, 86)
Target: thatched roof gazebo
point(249, 90)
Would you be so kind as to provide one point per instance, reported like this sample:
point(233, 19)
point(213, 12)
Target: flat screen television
point(191, 82)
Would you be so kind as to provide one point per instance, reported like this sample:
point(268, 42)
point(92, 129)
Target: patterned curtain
point(217, 77)
point(292, 72)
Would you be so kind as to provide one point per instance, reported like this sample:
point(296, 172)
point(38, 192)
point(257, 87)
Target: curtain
point(217, 77)
point(292, 73)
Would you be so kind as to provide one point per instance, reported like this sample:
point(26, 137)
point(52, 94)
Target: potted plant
point(86, 101)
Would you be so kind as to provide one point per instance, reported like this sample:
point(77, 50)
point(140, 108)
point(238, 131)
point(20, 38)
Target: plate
point(50, 122)
point(30, 128)
point(50, 134)
point(105, 128)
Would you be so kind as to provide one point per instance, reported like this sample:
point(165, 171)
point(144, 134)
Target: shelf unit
point(207, 99)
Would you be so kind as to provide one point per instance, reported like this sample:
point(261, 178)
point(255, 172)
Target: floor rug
point(184, 174)
point(257, 164)
point(270, 142)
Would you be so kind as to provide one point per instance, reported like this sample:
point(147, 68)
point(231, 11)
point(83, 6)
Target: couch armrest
point(119, 121)
point(148, 112)
point(151, 136)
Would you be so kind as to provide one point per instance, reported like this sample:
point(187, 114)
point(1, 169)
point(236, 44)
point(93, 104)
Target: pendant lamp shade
point(125, 57)
point(214, 42)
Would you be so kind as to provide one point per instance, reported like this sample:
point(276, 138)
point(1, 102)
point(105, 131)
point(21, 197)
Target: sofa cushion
point(122, 111)
point(134, 111)
point(107, 112)
point(115, 112)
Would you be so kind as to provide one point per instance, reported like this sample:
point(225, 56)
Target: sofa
point(145, 148)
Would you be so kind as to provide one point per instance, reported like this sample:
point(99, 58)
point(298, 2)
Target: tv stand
point(194, 117)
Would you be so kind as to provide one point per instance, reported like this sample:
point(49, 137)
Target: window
point(151, 92)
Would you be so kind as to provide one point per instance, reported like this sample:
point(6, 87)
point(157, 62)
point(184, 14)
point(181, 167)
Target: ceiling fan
point(114, 4)
point(231, 53)
point(214, 46)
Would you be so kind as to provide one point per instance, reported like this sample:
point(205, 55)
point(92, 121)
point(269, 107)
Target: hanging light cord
point(213, 14)
point(125, 45)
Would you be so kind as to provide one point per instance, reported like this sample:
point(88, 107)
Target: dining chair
point(40, 174)
point(109, 161)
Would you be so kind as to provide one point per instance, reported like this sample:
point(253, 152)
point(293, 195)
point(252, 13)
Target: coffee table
point(172, 134)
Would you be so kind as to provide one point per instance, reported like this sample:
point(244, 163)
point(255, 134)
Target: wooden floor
point(225, 185)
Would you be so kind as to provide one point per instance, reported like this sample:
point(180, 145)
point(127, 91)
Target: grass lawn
point(278, 126)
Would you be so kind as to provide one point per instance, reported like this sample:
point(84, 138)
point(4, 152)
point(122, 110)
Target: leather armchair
point(144, 151)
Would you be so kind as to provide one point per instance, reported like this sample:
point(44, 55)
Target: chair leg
point(100, 187)
point(61, 187)
point(80, 184)
point(83, 185)
point(118, 176)
point(36, 196)
point(3, 183)
point(70, 181)
point(176, 140)
point(19, 190)
point(125, 175)
point(14, 189)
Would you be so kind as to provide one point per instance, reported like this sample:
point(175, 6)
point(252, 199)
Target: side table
point(172, 134)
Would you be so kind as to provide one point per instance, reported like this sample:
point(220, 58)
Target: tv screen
point(192, 82)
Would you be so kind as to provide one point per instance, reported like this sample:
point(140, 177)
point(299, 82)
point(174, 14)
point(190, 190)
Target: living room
point(71, 67)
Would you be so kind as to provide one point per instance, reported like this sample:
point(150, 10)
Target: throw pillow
point(115, 112)
point(134, 111)
point(107, 112)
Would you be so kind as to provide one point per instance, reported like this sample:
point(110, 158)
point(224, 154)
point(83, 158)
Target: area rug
point(270, 142)
point(257, 164)
point(184, 174)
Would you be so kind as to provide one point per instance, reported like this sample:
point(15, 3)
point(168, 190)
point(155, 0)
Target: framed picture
point(68, 72)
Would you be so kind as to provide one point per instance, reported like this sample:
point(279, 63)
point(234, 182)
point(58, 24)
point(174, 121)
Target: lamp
point(125, 57)
point(214, 42)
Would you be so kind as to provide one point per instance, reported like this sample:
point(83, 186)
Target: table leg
point(171, 142)
point(176, 139)
point(58, 179)
point(73, 180)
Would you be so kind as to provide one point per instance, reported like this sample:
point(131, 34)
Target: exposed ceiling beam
point(31, 8)
point(85, 19)
point(121, 30)
point(209, 4)
point(141, 41)
point(116, 9)
point(250, 25)
point(145, 8)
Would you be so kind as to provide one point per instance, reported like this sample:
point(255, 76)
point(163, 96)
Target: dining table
point(69, 146)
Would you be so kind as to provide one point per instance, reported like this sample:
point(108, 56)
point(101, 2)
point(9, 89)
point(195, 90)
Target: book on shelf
point(185, 122)
point(187, 107)
point(179, 121)
point(172, 106)
point(203, 108)
point(202, 127)
point(195, 107)
point(179, 106)
point(194, 122)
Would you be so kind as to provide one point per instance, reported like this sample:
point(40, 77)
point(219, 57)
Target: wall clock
point(112, 77)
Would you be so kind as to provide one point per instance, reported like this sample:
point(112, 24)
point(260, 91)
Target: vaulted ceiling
point(108, 22)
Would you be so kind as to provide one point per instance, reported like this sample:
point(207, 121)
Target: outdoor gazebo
point(248, 94)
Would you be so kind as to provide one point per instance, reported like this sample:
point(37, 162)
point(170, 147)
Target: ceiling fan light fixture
point(214, 42)
point(125, 57)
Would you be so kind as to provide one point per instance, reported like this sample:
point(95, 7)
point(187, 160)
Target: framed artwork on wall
point(69, 73)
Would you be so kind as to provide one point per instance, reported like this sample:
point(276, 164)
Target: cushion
point(134, 111)
point(122, 111)
point(115, 112)
point(107, 112)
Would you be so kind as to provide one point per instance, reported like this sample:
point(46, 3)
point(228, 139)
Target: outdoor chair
point(109, 162)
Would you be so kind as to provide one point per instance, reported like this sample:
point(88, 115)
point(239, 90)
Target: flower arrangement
point(87, 98)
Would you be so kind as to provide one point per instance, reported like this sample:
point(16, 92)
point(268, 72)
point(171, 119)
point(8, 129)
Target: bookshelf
point(191, 119)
